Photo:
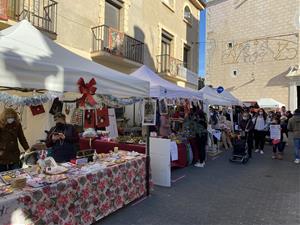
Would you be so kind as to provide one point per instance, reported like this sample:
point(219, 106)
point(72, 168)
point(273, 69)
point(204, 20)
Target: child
point(277, 143)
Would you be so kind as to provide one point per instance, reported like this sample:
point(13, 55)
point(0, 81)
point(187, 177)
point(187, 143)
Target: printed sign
point(275, 132)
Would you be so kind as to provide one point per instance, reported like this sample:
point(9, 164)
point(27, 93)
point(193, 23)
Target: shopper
point(165, 128)
point(201, 136)
point(276, 142)
point(289, 115)
point(225, 127)
point(246, 127)
point(294, 126)
point(284, 136)
point(10, 133)
point(226, 114)
point(260, 130)
point(283, 111)
point(63, 139)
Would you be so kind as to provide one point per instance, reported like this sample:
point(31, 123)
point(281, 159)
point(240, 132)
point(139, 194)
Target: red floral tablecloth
point(83, 199)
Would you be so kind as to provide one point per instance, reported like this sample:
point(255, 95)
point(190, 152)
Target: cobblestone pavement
point(264, 191)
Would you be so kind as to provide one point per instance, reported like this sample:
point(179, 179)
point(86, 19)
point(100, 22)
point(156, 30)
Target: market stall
point(269, 103)
point(169, 97)
point(83, 195)
point(211, 96)
point(218, 97)
point(37, 73)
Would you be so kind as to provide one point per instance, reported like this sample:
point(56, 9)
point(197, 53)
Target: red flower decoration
point(88, 90)
point(41, 209)
point(85, 193)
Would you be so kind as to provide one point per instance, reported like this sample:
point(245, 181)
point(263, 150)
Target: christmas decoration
point(34, 100)
point(88, 90)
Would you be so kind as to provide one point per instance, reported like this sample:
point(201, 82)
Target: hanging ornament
point(88, 90)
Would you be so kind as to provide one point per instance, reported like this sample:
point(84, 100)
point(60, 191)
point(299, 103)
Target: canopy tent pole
point(148, 162)
point(134, 123)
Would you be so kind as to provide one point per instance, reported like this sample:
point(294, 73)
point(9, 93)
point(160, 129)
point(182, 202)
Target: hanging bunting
point(114, 102)
point(88, 90)
point(34, 100)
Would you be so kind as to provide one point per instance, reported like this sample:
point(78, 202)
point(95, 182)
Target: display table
point(105, 146)
point(79, 199)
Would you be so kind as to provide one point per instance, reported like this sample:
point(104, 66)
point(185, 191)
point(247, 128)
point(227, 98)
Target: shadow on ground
point(264, 191)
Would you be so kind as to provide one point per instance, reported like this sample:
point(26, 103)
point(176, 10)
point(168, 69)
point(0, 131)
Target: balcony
point(111, 46)
point(41, 13)
point(175, 69)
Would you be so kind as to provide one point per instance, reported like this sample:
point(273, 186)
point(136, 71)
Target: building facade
point(120, 34)
point(253, 48)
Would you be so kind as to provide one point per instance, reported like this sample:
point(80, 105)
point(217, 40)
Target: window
point(230, 45)
point(234, 73)
point(112, 14)
point(166, 43)
point(187, 15)
point(186, 56)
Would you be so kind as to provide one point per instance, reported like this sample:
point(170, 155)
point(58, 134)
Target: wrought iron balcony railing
point(41, 13)
point(175, 68)
point(117, 43)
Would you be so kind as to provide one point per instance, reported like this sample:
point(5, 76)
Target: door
point(112, 15)
point(186, 57)
point(165, 53)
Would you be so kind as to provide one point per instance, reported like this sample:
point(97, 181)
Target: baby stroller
point(240, 149)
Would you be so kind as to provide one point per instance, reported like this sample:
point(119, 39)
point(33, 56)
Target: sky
point(202, 39)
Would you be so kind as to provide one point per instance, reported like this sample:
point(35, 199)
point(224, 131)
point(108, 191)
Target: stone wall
point(251, 46)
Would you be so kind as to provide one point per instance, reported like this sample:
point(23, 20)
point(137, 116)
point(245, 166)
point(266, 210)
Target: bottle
point(95, 156)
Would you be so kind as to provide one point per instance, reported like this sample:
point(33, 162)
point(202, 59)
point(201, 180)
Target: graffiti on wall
point(279, 48)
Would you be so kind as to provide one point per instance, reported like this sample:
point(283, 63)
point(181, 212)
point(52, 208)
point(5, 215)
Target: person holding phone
point(63, 139)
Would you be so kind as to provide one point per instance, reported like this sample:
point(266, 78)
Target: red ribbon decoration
point(87, 89)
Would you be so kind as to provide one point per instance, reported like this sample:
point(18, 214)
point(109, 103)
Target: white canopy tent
point(269, 103)
point(28, 59)
point(212, 97)
point(161, 88)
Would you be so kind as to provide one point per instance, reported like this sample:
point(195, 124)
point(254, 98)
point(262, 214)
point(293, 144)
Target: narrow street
point(264, 191)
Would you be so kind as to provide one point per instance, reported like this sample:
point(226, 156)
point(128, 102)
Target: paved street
point(264, 191)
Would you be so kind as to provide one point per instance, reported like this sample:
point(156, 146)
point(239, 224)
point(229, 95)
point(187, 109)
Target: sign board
point(160, 161)
point(275, 132)
point(220, 89)
point(149, 112)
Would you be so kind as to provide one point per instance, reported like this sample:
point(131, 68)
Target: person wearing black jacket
point(63, 139)
point(246, 127)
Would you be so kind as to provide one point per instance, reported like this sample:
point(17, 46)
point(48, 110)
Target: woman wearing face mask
point(10, 133)
point(63, 139)
point(260, 128)
point(246, 126)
